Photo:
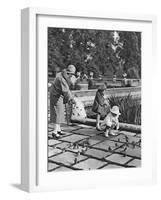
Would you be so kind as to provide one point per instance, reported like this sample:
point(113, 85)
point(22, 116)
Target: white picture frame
point(31, 78)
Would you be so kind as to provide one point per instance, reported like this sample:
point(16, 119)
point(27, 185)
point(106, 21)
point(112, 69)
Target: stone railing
point(110, 83)
point(87, 96)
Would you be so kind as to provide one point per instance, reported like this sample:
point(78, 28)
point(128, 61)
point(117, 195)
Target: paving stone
point(108, 143)
point(87, 131)
point(97, 153)
point(74, 138)
point(122, 138)
point(67, 158)
point(136, 152)
point(133, 139)
point(65, 133)
point(96, 139)
point(50, 137)
point(118, 158)
point(50, 134)
point(138, 135)
point(62, 145)
point(64, 127)
point(50, 129)
point(70, 128)
point(128, 133)
point(52, 166)
point(62, 169)
point(52, 142)
point(89, 164)
point(53, 151)
point(109, 166)
point(135, 163)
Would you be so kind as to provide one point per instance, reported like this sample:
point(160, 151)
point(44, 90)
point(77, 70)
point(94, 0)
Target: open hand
point(72, 101)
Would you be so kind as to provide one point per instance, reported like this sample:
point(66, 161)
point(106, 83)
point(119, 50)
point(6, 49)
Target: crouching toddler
point(111, 121)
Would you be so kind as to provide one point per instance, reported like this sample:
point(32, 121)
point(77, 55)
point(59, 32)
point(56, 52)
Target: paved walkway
point(82, 147)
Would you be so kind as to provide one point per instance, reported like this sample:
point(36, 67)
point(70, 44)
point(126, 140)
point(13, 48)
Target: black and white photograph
point(94, 99)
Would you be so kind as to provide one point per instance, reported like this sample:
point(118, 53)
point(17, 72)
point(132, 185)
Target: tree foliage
point(98, 51)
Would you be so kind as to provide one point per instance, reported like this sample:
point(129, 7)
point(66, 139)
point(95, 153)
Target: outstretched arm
point(66, 91)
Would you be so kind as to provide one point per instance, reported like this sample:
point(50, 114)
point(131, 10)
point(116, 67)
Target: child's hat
point(115, 110)
point(102, 87)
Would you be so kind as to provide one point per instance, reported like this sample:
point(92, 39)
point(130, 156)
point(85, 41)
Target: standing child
point(111, 121)
point(99, 104)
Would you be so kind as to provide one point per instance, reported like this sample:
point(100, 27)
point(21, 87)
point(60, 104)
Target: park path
point(82, 147)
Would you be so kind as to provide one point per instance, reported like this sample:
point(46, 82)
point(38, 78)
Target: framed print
point(86, 110)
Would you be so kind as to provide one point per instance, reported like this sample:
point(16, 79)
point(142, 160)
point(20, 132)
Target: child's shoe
point(113, 133)
point(55, 134)
point(106, 133)
point(98, 127)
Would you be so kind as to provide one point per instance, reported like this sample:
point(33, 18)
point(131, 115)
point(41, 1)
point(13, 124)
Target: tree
point(100, 51)
point(131, 53)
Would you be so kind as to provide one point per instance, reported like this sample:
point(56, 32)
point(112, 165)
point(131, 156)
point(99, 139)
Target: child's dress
point(99, 104)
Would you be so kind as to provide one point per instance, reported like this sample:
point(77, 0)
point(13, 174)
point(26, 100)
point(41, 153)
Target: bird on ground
point(133, 144)
point(116, 145)
point(126, 138)
point(109, 148)
point(75, 160)
point(123, 150)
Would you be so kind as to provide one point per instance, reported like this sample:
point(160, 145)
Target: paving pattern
point(82, 147)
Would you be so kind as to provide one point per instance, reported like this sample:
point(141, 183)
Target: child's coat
point(99, 104)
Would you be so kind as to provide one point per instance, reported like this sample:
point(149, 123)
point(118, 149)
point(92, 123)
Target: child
point(99, 104)
point(111, 121)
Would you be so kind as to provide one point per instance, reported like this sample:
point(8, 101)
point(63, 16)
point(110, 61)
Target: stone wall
point(87, 96)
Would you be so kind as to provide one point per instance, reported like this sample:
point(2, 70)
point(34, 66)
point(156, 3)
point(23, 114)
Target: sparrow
point(109, 148)
point(127, 144)
point(87, 142)
point(104, 158)
point(75, 160)
point(116, 145)
point(133, 144)
point(78, 154)
point(71, 145)
point(126, 138)
point(124, 150)
point(139, 143)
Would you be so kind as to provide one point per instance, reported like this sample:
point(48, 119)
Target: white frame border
point(29, 173)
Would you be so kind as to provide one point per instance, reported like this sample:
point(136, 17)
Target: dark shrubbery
point(130, 108)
